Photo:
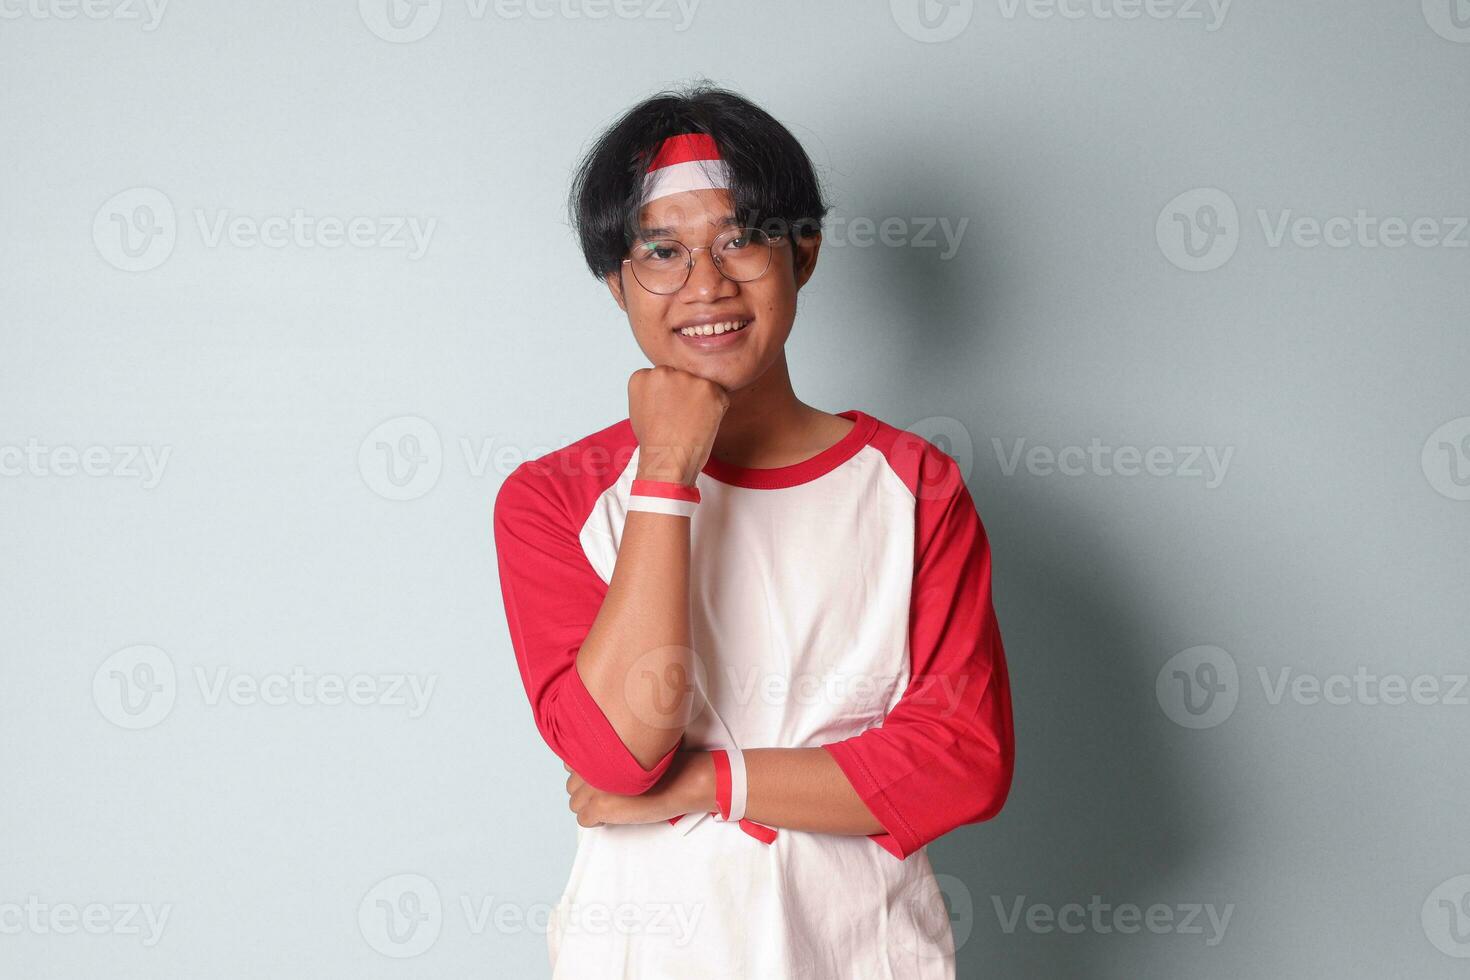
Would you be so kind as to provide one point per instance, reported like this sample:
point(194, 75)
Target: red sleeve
point(552, 596)
point(944, 755)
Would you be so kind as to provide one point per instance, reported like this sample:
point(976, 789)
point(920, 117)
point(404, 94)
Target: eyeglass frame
point(771, 240)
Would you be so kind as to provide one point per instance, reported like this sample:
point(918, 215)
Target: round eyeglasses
point(740, 254)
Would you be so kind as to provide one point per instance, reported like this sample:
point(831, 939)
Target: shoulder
point(566, 482)
point(928, 471)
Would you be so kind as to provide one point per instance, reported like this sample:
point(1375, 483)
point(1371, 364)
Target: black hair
point(772, 182)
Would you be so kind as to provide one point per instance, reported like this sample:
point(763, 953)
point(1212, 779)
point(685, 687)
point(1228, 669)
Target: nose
point(705, 279)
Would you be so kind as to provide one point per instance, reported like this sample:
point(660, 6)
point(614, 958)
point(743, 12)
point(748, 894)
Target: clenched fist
point(675, 416)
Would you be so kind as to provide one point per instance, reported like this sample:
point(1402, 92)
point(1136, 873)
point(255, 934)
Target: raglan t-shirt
point(843, 602)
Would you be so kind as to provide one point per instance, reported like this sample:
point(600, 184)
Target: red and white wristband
point(663, 497)
point(730, 784)
point(731, 792)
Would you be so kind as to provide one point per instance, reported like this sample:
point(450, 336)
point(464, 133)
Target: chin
point(729, 377)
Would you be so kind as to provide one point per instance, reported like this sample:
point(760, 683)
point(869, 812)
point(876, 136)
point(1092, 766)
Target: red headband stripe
point(684, 148)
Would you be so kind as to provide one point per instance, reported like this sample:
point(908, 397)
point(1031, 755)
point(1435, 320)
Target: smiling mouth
point(712, 329)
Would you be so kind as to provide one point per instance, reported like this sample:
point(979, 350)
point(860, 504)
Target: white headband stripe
point(691, 175)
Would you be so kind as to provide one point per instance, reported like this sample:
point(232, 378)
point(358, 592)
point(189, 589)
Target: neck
point(765, 421)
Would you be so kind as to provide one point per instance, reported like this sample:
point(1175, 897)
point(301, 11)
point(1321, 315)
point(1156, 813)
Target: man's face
point(767, 305)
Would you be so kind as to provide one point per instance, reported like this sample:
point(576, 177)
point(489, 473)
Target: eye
point(656, 253)
point(743, 240)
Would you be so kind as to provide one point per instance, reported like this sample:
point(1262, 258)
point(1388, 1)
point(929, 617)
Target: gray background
point(282, 381)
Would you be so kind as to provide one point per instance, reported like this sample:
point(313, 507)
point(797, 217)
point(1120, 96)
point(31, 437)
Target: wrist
point(669, 465)
point(697, 783)
point(665, 474)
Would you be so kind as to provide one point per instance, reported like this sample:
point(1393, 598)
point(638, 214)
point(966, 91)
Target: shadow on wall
point(1095, 807)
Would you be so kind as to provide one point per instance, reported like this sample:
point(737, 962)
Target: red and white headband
point(686, 162)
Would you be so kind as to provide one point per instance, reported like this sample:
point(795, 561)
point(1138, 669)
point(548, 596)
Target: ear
point(804, 256)
point(614, 282)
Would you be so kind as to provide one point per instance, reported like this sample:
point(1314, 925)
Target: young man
point(759, 635)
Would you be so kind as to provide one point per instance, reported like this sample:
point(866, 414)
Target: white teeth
point(708, 329)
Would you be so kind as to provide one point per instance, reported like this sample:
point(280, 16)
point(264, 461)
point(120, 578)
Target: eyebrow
point(727, 221)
